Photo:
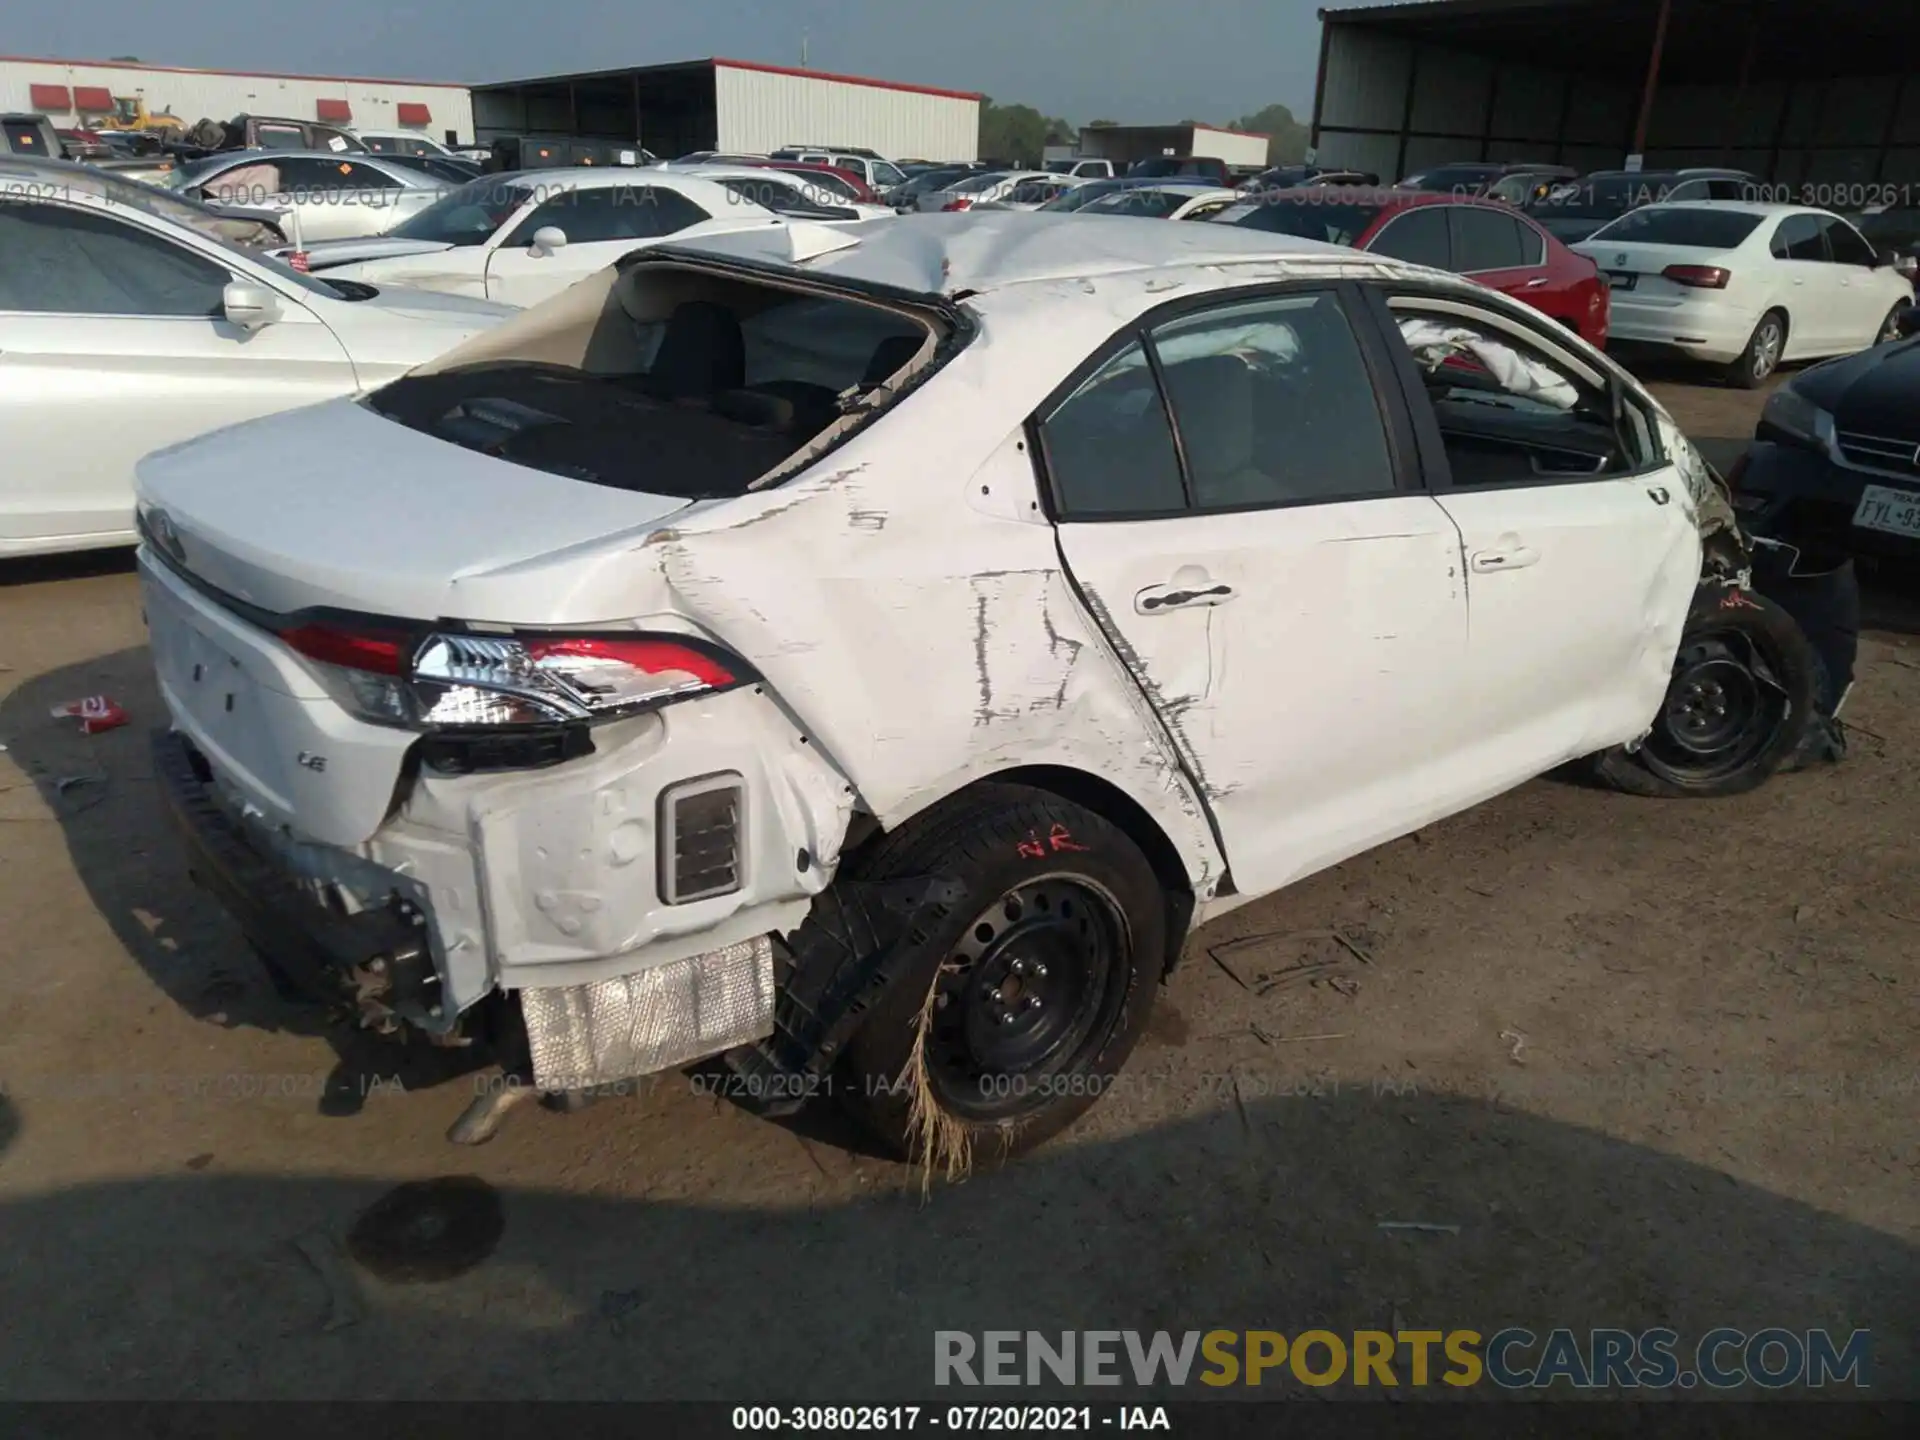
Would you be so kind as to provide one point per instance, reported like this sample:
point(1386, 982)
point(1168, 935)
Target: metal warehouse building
point(1799, 92)
point(735, 105)
point(73, 92)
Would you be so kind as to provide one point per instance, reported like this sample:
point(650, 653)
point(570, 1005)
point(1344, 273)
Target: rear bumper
point(1699, 329)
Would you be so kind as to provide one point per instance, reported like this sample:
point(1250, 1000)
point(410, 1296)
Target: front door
point(112, 345)
point(1239, 508)
point(1581, 549)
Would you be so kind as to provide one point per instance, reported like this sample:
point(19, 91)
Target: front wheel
point(1891, 328)
point(1743, 695)
point(1030, 992)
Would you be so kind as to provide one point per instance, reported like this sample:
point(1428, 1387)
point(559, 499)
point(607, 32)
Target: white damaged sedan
point(866, 655)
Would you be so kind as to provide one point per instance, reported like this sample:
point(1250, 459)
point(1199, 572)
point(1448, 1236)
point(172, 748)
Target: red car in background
point(1480, 239)
point(845, 181)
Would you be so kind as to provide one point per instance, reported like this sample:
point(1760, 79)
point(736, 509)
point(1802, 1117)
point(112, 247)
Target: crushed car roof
point(950, 254)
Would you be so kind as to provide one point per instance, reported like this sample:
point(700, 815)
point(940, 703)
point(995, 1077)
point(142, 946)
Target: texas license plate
point(1897, 512)
point(1622, 279)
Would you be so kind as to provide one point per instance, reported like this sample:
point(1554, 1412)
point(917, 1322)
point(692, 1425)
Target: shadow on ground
point(100, 791)
point(196, 1285)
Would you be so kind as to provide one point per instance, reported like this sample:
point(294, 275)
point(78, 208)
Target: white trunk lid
point(356, 512)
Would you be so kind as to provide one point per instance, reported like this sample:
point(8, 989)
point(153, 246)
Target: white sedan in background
point(329, 195)
point(524, 236)
point(984, 186)
point(790, 193)
point(1164, 202)
point(130, 321)
point(1747, 286)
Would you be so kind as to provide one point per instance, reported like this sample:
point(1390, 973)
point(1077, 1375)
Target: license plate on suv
point(1897, 512)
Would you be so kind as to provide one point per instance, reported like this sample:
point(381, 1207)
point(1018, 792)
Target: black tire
point(1762, 356)
point(1081, 888)
point(1742, 698)
point(1890, 327)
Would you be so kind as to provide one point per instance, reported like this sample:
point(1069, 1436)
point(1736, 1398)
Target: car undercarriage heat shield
point(582, 1036)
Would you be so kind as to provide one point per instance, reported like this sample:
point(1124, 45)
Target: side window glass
point(1799, 238)
point(1688, 190)
point(74, 262)
point(1533, 245)
point(1845, 243)
point(612, 212)
point(1109, 448)
point(1274, 404)
point(1418, 236)
point(1511, 415)
point(1484, 240)
point(245, 185)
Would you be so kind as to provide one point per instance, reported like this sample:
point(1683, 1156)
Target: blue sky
point(1130, 60)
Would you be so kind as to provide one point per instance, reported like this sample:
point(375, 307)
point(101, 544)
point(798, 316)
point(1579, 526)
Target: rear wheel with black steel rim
point(1737, 709)
point(1025, 998)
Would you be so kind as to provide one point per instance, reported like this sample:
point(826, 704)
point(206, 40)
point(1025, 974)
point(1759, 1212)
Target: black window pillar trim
point(1429, 457)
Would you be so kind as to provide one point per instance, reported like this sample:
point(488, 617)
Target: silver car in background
point(327, 195)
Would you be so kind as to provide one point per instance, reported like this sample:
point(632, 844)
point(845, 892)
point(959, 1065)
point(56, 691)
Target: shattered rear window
point(701, 404)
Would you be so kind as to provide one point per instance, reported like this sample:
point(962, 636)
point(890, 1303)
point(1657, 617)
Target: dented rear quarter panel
point(906, 596)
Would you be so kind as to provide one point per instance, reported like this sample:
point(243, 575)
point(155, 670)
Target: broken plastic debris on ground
point(95, 713)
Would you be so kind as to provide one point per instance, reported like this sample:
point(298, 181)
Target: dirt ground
point(1654, 1061)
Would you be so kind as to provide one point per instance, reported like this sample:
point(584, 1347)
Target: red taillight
point(959, 203)
point(653, 657)
point(1698, 277)
point(376, 653)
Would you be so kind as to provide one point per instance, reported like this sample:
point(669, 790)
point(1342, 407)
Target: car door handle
point(1158, 599)
point(1538, 281)
point(1513, 557)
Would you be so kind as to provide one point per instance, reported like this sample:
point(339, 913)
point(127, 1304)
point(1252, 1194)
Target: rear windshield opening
point(681, 383)
point(1700, 229)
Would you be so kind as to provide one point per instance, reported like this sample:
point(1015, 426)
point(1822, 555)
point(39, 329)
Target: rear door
point(112, 345)
point(1581, 550)
point(1866, 290)
point(1494, 248)
point(339, 199)
point(1809, 289)
point(1241, 511)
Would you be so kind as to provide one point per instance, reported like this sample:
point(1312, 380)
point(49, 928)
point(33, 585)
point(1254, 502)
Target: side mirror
point(249, 306)
point(547, 239)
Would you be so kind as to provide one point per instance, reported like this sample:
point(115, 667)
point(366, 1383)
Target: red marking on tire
point(1062, 839)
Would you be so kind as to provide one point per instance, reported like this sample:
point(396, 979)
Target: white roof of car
point(975, 251)
point(1738, 207)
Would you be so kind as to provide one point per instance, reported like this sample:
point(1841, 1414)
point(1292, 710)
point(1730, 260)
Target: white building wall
point(761, 110)
point(1233, 146)
point(220, 95)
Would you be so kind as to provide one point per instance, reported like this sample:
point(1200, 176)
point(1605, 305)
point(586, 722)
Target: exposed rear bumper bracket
point(376, 961)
